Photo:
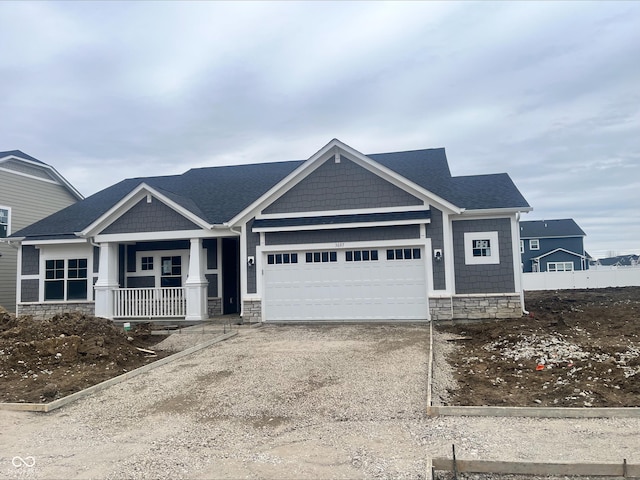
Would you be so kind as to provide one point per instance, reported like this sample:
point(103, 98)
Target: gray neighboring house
point(29, 191)
point(341, 236)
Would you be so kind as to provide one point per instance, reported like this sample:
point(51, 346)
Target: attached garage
point(367, 283)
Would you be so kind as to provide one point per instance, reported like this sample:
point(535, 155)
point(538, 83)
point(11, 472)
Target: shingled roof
point(217, 194)
point(565, 227)
point(20, 154)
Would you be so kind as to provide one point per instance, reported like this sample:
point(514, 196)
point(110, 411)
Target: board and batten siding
point(30, 200)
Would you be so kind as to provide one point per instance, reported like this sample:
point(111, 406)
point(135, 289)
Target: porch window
point(4, 222)
point(560, 266)
point(171, 271)
point(147, 263)
point(66, 279)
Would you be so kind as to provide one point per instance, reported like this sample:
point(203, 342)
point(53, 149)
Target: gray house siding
point(435, 233)
point(340, 186)
point(150, 217)
point(492, 278)
point(30, 260)
point(344, 235)
point(253, 240)
point(30, 200)
point(30, 290)
point(561, 257)
point(573, 244)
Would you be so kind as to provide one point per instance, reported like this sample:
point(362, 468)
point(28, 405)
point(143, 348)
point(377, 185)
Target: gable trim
point(334, 148)
point(63, 181)
point(131, 199)
point(354, 211)
point(558, 250)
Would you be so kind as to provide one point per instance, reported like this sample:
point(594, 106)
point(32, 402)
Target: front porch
point(181, 280)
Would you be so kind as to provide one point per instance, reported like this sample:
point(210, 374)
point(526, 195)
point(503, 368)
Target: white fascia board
point(558, 250)
point(129, 201)
point(329, 213)
point(342, 245)
point(336, 147)
point(335, 226)
point(55, 173)
point(56, 242)
point(495, 211)
point(151, 236)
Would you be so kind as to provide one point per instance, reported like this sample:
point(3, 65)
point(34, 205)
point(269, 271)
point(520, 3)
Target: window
point(147, 263)
point(560, 266)
point(4, 222)
point(282, 258)
point(481, 248)
point(361, 255)
point(534, 244)
point(521, 246)
point(321, 257)
point(403, 254)
point(68, 283)
point(171, 271)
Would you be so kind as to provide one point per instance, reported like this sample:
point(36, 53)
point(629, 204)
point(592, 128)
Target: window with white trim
point(65, 279)
point(521, 246)
point(403, 254)
point(282, 258)
point(171, 271)
point(481, 248)
point(146, 263)
point(4, 222)
point(321, 257)
point(534, 244)
point(361, 255)
point(560, 267)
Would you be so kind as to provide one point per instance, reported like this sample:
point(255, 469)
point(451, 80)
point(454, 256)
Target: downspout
point(524, 311)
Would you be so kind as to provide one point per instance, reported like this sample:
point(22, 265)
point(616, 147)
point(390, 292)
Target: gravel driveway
point(289, 402)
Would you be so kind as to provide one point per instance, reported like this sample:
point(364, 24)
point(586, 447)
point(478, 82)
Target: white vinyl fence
point(593, 278)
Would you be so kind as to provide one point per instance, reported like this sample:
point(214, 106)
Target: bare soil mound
point(577, 348)
point(42, 360)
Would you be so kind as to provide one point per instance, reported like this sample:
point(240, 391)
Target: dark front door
point(230, 277)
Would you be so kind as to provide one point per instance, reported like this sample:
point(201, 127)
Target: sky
point(548, 92)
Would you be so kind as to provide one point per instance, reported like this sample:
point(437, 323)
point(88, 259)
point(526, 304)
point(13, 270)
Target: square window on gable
point(481, 248)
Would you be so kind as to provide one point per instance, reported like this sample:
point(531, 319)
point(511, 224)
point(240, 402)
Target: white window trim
point(564, 267)
point(537, 244)
point(8, 209)
point(469, 259)
point(521, 246)
point(157, 264)
point(65, 279)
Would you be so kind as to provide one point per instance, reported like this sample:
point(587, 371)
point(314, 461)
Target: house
point(341, 236)
point(632, 260)
point(552, 246)
point(29, 191)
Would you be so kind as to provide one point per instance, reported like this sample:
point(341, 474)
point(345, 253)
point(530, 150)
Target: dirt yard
point(41, 361)
point(577, 348)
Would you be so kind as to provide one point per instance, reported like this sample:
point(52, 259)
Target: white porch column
point(107, 280)
point(196, 284)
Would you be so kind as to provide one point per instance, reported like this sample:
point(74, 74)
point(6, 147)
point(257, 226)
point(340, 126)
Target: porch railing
point(164, 302)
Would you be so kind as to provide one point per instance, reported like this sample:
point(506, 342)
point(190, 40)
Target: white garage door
point(334, 285)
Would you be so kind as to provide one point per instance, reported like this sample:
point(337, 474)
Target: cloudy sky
point(548, 92)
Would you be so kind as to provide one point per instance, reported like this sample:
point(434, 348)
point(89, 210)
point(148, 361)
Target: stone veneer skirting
point(476, 307)
point(214, 307)
point(41, 311)
point(252, 311)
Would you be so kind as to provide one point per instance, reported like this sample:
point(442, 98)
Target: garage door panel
point(380, 289)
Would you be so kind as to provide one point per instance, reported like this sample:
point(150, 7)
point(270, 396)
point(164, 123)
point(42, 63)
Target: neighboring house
point(619, 261)
point(341, 236)
point(552, 246)
point(29, 191)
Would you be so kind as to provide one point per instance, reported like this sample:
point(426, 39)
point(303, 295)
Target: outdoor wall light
point(251, 261)
point(437, 254)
